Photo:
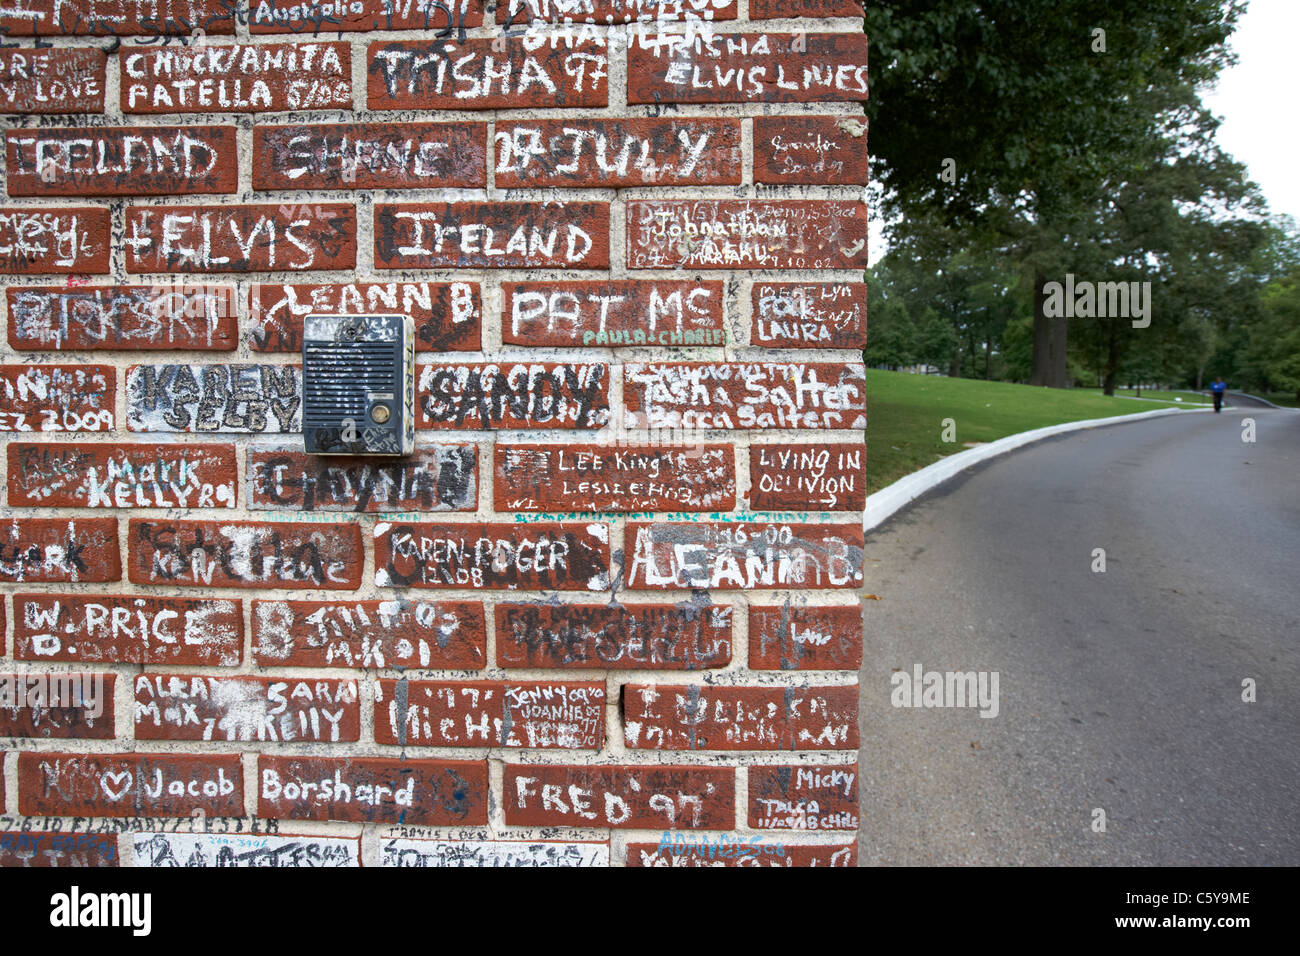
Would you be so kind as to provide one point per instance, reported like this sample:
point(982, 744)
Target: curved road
point(1119, 690)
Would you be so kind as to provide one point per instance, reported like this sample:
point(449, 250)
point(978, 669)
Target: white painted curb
point(886, 501)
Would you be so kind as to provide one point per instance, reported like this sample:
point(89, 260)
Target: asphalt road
point(1119, 690)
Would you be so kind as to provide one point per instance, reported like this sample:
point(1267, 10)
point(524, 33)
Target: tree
point(1187, 221)
point(1273, 352)
point(1012, 117)
point(891, 342)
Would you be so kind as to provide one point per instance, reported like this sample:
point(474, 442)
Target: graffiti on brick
point(241, 399)
point(123, 317)
point(605, 636)
point(243, 850)
point(533, 395)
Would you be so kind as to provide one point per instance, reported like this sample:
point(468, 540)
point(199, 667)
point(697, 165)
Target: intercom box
point(358, 384)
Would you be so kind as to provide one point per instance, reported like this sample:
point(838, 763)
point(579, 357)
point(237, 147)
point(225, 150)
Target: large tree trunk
point(1050, 339)
point(1112, 359)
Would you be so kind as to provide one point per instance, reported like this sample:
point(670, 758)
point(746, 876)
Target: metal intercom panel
point(358, 384)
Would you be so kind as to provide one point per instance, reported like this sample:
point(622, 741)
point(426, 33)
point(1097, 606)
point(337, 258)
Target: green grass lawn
point(905, 416)
point(1280, 398)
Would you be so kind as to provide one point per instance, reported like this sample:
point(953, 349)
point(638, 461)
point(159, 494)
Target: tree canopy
point(1017, 141)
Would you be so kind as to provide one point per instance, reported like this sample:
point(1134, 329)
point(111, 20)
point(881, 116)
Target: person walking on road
point(1217, 388)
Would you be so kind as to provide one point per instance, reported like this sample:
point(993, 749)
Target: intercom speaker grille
point(337, 380)
point(358, 384)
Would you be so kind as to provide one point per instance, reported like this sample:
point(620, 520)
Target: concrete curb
point(885, 502)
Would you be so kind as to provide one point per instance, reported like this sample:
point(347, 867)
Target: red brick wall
point(608, 611)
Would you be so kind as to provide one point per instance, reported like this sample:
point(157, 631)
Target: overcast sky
point(1256, 100)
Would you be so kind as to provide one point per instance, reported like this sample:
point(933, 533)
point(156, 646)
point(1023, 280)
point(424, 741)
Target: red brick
point(57, 706)
point(604, 478)
point(370, 156)
point(129, 785)
point(534, 714)
point(236, 78)
point(802, 477)
point(815, 637)
point(49, 241)
point(448, 315)
point(746, 234)
point(758, 851)
point(119, 317)
point(256, 554)
point(779, 9)
point(241, 238)
point(243, 399)
point(41, 81)
point(696, 717)
point(129, 629)
point(485, 395)
point(542, 556)
point(743, 556)
point(804, 797)
point(492, 235)
point(810, 150)
point(473, 75)
point(117, 18)
point(747, 68)
point(57, 398)
point(434, 478)
point(65, 475)
point(360, 16)
point(277, 709)
point(620, 798)
point(375, 790)
point(807, 315)
point(521, 12)
point(603, 153)
point(695, 395)
point(122, 161)
point(448, 635)
point(55, 550)
point(613, 312)
point(46, 849)
point(613, 636)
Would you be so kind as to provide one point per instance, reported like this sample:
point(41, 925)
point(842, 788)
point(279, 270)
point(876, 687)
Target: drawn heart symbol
point(115, 785)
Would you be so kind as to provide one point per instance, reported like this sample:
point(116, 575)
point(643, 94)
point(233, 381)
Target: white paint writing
point(62, 237)
point(238, 77)
point(747, 395)
point(742, 557)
